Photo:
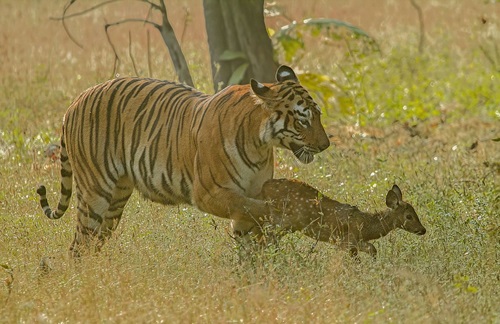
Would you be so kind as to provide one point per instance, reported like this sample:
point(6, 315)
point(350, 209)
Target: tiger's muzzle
point(305, 153)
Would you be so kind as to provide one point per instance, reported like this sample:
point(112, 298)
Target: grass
point(178, 265)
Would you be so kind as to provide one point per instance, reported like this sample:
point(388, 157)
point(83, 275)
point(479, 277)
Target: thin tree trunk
point(174, 48)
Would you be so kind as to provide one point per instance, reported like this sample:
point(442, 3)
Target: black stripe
point(90, 214)
point(44, 202)
point(66, 192)
point(66, 173)
point(61, 207)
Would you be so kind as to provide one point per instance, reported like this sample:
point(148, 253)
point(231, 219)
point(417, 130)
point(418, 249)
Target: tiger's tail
point(66, 188)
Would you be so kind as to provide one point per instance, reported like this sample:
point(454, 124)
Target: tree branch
point(165, 29)
point(108, 25)
point(130, 53)
point(421, 23)
point(152, 23)
point(174, 48)
point(85, 11)
point(66, 7)
point(117, 59)
point(149, 54)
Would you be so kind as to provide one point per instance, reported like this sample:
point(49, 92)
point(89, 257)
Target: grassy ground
point(426, 121)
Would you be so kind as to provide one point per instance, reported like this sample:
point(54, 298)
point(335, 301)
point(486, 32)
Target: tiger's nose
point(324, 143)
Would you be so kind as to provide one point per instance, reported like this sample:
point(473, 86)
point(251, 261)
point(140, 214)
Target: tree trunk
point(174, 48)
point(238, 26)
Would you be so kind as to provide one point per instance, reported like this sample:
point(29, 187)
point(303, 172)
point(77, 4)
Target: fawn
point(296, 206)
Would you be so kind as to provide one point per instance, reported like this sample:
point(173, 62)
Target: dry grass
point(177, 265)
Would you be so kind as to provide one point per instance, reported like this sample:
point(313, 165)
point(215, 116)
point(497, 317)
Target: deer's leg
point(351, 246)
point(368, 248)
point(247, 232)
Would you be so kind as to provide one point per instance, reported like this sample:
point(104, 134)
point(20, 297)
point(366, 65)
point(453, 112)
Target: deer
point(296, 206)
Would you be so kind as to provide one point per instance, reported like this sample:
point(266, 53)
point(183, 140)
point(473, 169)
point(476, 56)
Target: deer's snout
point(421, 232)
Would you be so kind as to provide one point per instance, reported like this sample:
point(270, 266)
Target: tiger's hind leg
point(97, 221)
point(121, 195)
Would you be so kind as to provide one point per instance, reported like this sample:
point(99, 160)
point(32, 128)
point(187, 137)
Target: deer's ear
point(392, 200)
point(398, 192)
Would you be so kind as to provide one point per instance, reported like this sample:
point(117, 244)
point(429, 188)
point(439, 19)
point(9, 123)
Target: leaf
point(290, 46)
point(238, 74)
point(270, 31)
point(229, 55)
point(321, 23)
point(327, 22)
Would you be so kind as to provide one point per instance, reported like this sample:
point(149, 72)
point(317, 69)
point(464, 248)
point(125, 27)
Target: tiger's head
point(295, 122)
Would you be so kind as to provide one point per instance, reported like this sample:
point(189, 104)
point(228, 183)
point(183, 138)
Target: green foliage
point(239, 73)
point(370, 86)
point(290, 39)
point(228, 55)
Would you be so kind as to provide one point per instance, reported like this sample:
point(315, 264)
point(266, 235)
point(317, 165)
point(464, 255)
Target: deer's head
point(403, 214)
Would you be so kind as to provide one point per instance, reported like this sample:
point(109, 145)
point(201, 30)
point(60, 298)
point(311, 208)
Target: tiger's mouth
point(304, 153)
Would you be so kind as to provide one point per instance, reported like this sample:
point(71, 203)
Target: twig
point(130, 53)
point(117, 59)
point(83, 12)
point(187, 19)
point(116, 23)
point(148, 38)
point(487, 55)
point(102, 4)
point(66, 7)
point(421, 23)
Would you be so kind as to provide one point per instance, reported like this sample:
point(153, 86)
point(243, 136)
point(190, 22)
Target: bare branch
point(117, 59)
point(152, 4)
point(83, 12)
point(130, 53)
point(66, 7)
point(487, 55)
point(150, 10)
point(149, 54)
point(421, 23)
point(152, 23)
point(164, 28)
point(187, 20)
point(108, 25)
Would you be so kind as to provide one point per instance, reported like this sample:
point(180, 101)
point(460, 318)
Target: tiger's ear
point(261, 91)
point(285, 73)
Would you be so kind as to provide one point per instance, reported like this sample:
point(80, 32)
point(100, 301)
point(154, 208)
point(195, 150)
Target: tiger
point(177, 145)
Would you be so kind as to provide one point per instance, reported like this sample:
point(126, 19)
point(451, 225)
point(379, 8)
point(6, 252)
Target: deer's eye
point(409, 216)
